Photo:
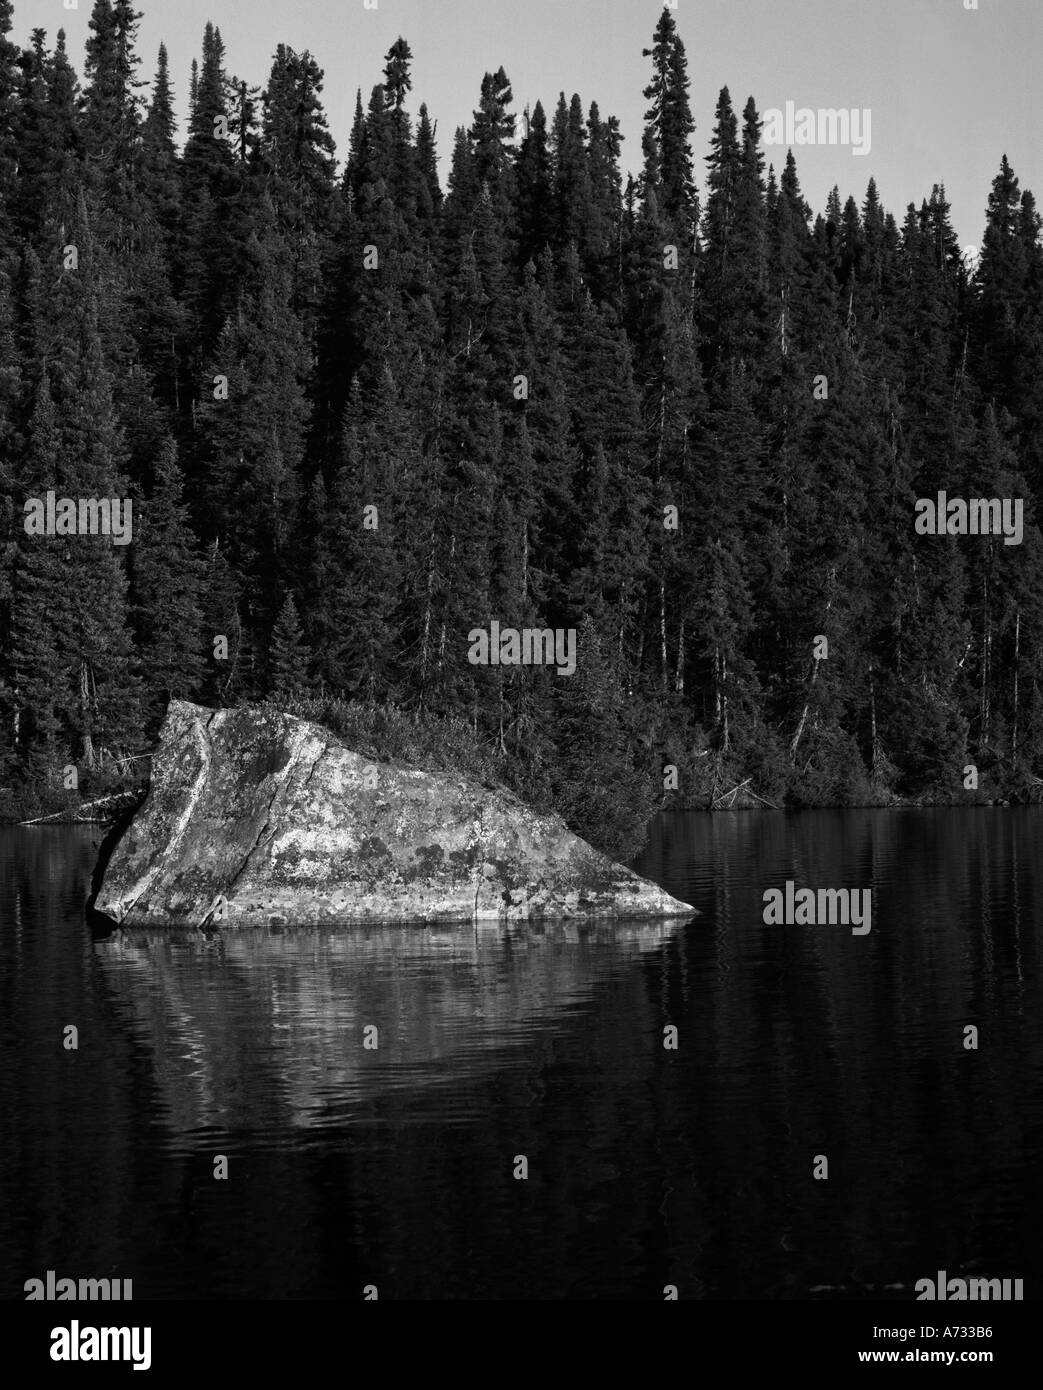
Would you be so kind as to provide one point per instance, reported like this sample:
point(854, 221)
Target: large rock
point(257, 818)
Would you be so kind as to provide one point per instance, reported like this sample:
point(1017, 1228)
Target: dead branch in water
point(82, 812)
point(726, 800)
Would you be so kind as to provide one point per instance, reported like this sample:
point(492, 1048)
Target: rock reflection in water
point(263, 1029)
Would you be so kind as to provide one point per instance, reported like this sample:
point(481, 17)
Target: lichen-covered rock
point(255, 817)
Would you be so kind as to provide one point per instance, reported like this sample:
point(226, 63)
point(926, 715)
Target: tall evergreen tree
point(668, 173)
point(49, 142)
point(491, 132)
point(111, 105)
point(9, 87)
point(288, 657)
point(535, 187)
point(159, 152)
point(255, 414)
point(167, 585)
point(430, 197)
point(209, 251)
point(78, 452)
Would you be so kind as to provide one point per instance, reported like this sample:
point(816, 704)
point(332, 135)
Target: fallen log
point(73, 815)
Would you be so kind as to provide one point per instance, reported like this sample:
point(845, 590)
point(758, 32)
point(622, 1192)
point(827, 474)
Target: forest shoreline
point(644, 782)
point(74, 815)
point(771, 474)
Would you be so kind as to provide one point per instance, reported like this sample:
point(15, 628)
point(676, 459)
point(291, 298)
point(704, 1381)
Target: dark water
point(349, 1167)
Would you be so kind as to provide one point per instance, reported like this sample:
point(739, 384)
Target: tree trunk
point(85, 714)
point(1017, 660)
point(441, 633)
point(874, 752)
point(425, 638)
point(986, 652)
point(814, 677)
point(663, 657)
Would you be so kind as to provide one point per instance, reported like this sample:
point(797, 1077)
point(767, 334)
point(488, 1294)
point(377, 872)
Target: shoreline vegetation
point(596, 464)
point(611, 808)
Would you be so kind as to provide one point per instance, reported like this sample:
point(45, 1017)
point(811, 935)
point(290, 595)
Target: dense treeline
point(522, 374)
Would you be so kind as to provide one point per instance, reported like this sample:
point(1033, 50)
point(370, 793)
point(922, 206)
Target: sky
point(949, 89)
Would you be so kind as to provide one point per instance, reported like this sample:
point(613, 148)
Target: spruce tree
point(288, 657)
point(160, 169)
point(735, 237)
point(49, 142)
point(255, 411)
point(299, 157)
point(9, 87)
point(430, 193)
point(361, 655)
point(572, 189)
point(210, 254)
point(490, 133)
point(97, 641)
point(39, 677)
point(603, 232)
point(668, 173)
point(167, 584)
point(403, 172)
point(111, 105)
point(535, 187)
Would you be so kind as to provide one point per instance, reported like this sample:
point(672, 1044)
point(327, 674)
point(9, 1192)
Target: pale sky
point(949, 89)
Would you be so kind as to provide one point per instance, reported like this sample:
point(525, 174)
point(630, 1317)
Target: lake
point(373, 1091)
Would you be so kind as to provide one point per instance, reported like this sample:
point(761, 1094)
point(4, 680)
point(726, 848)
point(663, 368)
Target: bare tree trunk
point(986, 653)
point(814, 677)
point(803, 715)
point(441, 634)
point(961, 375)
point(663, 658)
point(874, 751)
point(619, 259)
point(85, 714)
point(238, 639)
point(425, 639)
point(1017, 660)
point(662, 427)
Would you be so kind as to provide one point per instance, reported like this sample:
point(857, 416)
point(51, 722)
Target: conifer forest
point(356, 404)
